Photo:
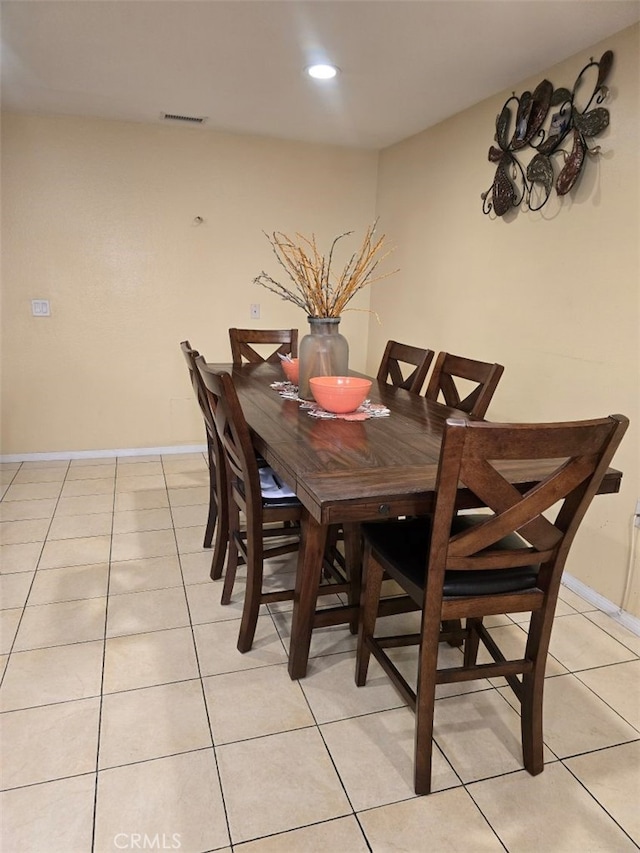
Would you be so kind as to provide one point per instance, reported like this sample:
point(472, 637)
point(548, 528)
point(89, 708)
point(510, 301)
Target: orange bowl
point(291, 370)
point(339, 394)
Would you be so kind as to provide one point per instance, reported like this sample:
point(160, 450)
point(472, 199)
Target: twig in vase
point(311, 273)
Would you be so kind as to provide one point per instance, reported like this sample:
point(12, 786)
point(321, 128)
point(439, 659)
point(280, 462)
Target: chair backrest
point(397, 354)
point(190, 356)
point(241, 340)
point(233, 433)
point(480, 456)
point(449, 367)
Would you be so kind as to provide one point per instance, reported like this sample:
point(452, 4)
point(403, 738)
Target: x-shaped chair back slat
point(450, 367)
point(241, 340)
point(480, 455)
point(396, 356)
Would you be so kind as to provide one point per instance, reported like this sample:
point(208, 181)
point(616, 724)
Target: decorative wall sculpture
point(543, 121)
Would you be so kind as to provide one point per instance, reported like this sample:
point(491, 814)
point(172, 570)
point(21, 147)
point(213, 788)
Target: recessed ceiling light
point(322, 72)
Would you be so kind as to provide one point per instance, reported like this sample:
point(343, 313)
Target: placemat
point(367, 410)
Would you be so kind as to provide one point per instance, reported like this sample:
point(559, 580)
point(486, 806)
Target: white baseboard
point(102, 454)
point(626, 619)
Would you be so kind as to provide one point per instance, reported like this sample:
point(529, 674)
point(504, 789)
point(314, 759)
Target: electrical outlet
point(40, 308)
point(254, 311)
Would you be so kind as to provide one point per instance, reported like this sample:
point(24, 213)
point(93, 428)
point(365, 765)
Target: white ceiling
point(405, 64)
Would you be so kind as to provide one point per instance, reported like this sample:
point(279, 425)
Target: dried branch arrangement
point(313, 285)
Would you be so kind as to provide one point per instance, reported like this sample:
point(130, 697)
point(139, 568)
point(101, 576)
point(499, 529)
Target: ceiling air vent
point(189, 119)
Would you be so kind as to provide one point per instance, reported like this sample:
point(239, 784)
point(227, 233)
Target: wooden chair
point(271, 509)
point(450, 367)
point(397, 354)
point(218, 506)
point(470, 566)
point(241, 340)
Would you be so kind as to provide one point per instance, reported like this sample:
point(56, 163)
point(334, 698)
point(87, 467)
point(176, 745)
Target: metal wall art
point(543, 121)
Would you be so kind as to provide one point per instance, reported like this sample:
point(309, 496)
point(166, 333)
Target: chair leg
point(213, 498)
point(531, 723)
point(253, 591)
point(425, 705)
point(220, 546)
point(353, 558)
point(222, 499)
point(455, 626)
point(332, 539)
point(211, 523)
point(472, 641)
point(232, 560)
point(369, 601)
point(532, 696)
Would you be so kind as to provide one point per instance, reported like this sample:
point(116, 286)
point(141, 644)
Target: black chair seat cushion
point(403, 547)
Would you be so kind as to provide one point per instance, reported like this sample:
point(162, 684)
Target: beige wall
point(98, 217)
point(554, 296)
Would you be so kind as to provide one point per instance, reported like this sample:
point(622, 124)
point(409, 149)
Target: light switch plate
point(40, 308)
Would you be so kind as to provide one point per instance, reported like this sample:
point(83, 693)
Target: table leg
point(353, 556)
point(313, 538)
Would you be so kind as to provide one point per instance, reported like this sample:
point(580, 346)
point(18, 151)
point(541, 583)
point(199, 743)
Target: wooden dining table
point(347, 472)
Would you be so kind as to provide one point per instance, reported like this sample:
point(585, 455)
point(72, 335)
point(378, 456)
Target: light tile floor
point(130, 721)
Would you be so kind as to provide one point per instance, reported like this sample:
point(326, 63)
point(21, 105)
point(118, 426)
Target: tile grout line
point(200, 677)
point(601, 698)
point(477, 805)
point(104, 657)
point(35, 572)
point(596, 800)
point(608, 633)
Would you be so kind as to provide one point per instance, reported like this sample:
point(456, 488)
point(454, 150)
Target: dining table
point(345, 472)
